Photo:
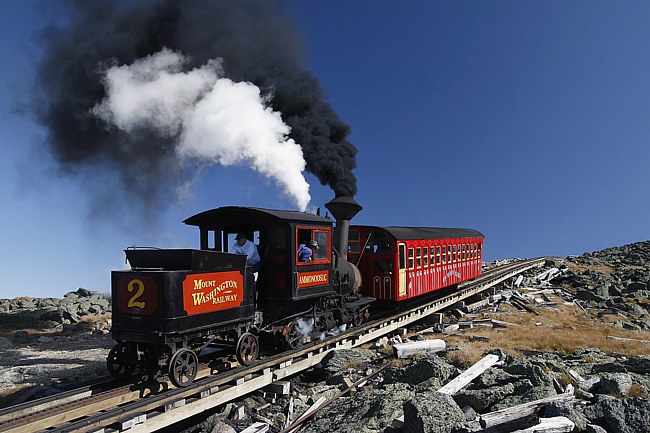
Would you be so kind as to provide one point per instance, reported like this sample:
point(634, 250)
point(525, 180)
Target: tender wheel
point(117, 362)
point(248, 348)
point(358, 319)
point(183, 367)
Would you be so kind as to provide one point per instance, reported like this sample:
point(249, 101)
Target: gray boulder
point(5, 343)
point(532, 371)
point(364, 412)
point(433, 412)
point(593, 428)
point(494, 377)
point(608, 367)
point(568, 410)
point(21, 337)
point(589, 295)
point(625, 415)
point(618, 384)
point(340, 360)
point(428, 372)
point(638, 364)
point(523, 394)
point(482, 400)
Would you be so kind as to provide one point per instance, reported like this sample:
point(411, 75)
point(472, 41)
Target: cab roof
point(227, 212)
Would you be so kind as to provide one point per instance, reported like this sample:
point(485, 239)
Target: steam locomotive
point(172, 303)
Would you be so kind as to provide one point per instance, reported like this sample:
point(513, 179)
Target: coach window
point(402, 256)
point(425, 256)
point(354, 241)
point(453, 254)
point(411, 258)
point(444, 254)
point(418, 253)
point(437, 255)
point(464, 252)
point(382, 266)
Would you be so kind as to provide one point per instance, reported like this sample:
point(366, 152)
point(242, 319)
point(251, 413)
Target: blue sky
point(526, 120)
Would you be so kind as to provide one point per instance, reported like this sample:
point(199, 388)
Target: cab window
point(316, 239)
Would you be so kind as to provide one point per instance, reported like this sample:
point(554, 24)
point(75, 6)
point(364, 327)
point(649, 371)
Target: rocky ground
point(47, 343)
point(580, 323)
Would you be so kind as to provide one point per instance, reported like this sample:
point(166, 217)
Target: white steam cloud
point(215, 119)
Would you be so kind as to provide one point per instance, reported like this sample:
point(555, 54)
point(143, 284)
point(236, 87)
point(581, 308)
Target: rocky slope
point(596, 296)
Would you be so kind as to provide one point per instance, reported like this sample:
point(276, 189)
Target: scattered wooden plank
point(476, 305)
point(525, 307)
point(411, 348)
point(313, 408)
point(429, 330)
point(500, 323)
point(450, 329)
point(258, 427)
point(628, 340)
point(468, 375)
point(557, 424)
point(520, 411)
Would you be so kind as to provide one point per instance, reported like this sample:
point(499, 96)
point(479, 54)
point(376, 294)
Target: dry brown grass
point(562, 331)
point(636, 391)
point(94, 318)
point(594, 268)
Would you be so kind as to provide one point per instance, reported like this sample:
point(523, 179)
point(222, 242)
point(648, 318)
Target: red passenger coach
point(399, 263)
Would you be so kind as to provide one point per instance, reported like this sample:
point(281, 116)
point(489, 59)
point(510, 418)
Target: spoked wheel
point(247, 349)
point(183, 367)
point(359, 317)
point(117, 362)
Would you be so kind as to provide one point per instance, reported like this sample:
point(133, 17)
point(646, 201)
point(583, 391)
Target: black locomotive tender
point(174, 302)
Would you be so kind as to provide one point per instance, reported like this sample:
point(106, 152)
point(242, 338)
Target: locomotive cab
point(285, 284)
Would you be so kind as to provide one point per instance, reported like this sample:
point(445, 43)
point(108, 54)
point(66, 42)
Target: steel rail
point(210, 391)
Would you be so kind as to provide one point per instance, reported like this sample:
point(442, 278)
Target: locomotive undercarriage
point(328, 314)
point(177, 356)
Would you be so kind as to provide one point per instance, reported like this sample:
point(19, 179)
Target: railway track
point(149, 407)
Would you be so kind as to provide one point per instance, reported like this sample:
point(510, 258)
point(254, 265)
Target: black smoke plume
point(257, 44)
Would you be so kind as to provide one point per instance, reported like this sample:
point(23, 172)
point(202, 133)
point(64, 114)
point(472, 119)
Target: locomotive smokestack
point(343, 208)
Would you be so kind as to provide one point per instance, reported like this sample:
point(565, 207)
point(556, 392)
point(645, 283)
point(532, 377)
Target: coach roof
point(415, 233)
